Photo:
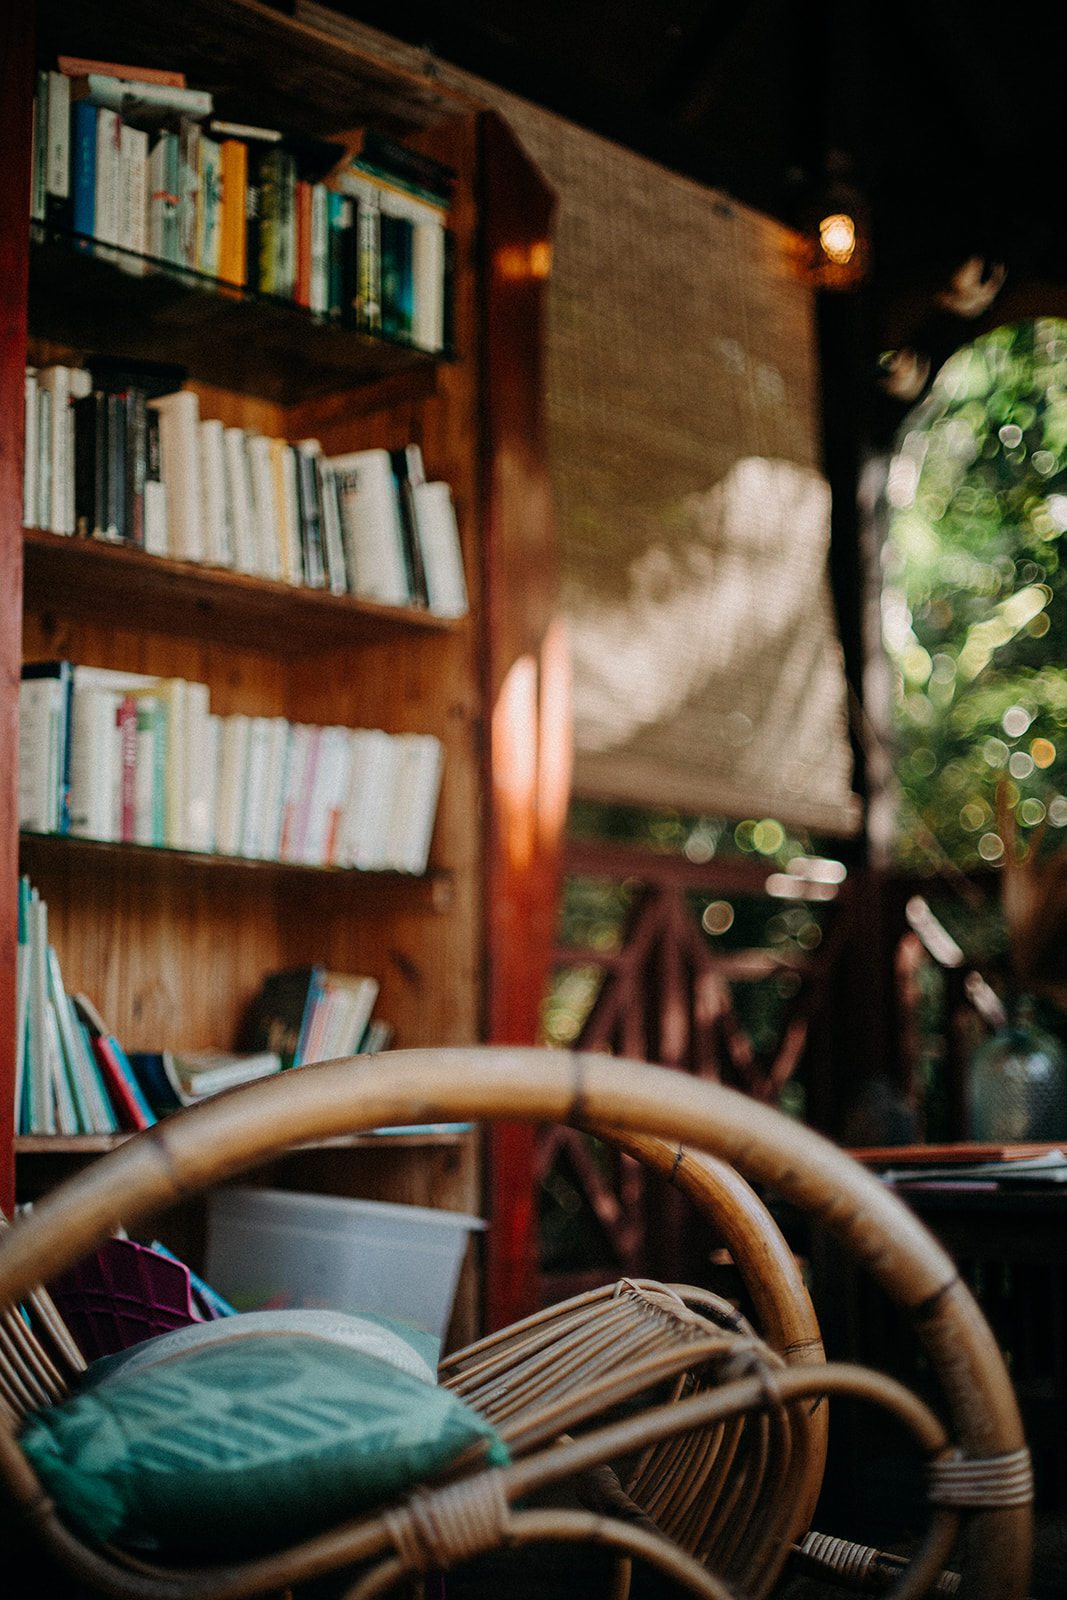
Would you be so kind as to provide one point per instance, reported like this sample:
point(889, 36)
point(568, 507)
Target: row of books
point(127, 757)
point(107, 458)
point(72, 1075)
point(354, 229)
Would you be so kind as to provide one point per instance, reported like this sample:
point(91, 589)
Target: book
point(293, 786)
point(83, 168)
point(163, 197)
point(80, 67)
point(368, 149)
point(370, 521)
point(322, 524)
point(150, 774)
point(233, 232)
point(216, 512)
point(107, 211)
point(408, 472)
point(287, 505)
point(310, 509)
point(39, 148)
point(269, 554)
point(442, 557)
point(397, 284)
point(57, 152)
point(126, 1094)
point(133, 190)
point(22, 1000)
point(188, 189)
point(232, 763)
point(301, 1012)
point(327, 796)
point(56, 380)
point(44, 746)
point(417, 789)
point(179, 445)
point(276, 1018)
point(242, 504)
point(91, 465)
point(141, 100)
point(209, 207)
point(30, 449)
point(40, 1083)
point(196, 1074)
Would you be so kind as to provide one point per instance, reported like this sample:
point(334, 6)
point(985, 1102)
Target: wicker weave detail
point(438, 1528)
point(981, 1483)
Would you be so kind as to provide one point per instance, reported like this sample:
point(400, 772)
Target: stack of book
point(72, 1075)
point(135, 160)
point(311, 1014)
point(124, 757)
point(120, 452)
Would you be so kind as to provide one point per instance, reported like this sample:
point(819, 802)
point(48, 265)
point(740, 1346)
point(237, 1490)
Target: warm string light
point(837, 235)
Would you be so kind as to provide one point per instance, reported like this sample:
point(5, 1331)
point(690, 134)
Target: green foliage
point(975, 597)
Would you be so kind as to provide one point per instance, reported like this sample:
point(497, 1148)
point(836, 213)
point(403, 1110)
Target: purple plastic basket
point(122, 1295)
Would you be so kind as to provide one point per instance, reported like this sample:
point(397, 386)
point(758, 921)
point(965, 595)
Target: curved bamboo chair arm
point(227, 1135)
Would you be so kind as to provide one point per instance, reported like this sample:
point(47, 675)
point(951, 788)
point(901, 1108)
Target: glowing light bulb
point(837, 235)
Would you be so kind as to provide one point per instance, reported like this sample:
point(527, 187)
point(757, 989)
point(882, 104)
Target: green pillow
point(237, 1448)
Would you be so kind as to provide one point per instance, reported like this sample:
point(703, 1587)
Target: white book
point(428, 278)
point(212, 756)
point(283, 460)
point(268, 543)
point(334, 761)
point(199, 780)
point(241, 501)
point(133, 195)
point(363, 830)
point(56, 381)
point(270, 822)
point(442, 557)
point(41, 703)
point(57, 161)
point(370, 520)
point(179, 449)
point(156, 533)
point(255, 784)
point(209, 207)
point(216, 507)
point(44, 456)
point(418, 788)
point(30, 451)
point(94, 756)
point(22, 1009)
point(233, 757)
point(107, 197)
point(298, 754)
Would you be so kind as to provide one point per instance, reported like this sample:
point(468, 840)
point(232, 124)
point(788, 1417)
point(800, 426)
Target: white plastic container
point(271, 1248)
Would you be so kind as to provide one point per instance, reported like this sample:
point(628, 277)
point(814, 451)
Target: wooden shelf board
point(91, 1144)
point(37, 850)
point(262, 65)
point(107, 302)
point(109, 583)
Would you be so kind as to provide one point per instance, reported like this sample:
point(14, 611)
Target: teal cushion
point(401, 1347)
point(241, 1447)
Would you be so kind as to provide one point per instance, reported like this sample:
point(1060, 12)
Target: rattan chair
point(978, 1468)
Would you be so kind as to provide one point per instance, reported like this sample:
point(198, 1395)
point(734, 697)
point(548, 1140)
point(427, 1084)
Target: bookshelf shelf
point(40, 852)
point(102, 583)
point(103, 301)
point(173, 946)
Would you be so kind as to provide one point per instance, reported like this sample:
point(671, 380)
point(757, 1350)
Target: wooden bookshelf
point(171, 946)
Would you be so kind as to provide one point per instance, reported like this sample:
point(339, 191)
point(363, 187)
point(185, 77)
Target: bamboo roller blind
point(693, 521)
